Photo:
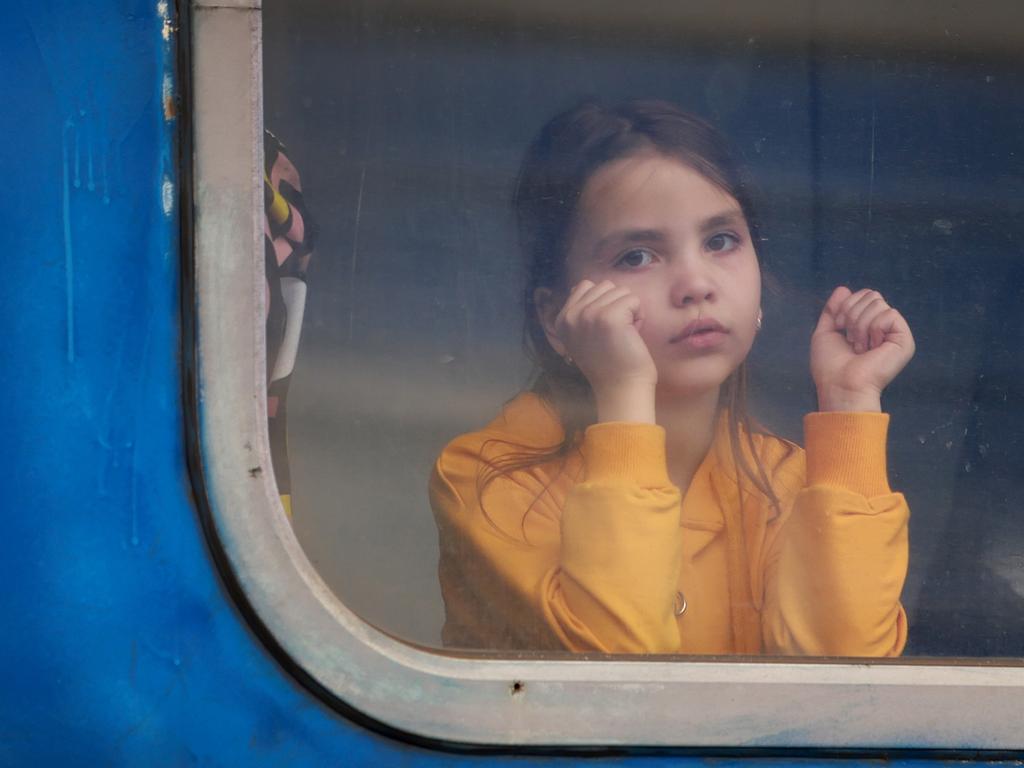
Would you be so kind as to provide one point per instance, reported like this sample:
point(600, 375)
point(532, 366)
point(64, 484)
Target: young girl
point(628, 503)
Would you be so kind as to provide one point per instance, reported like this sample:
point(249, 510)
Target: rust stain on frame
point(167, 29)
point(170, 108)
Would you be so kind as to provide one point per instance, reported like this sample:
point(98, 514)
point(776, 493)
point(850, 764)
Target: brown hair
point(562, 158)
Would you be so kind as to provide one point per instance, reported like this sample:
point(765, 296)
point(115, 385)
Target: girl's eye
point(723, 242)
point(637, 257)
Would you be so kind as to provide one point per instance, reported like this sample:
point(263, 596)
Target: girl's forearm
point(626, 403)
point(836, 399)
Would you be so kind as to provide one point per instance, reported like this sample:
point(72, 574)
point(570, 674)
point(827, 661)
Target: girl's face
point(681, 244)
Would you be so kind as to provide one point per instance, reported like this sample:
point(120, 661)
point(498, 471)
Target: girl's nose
point(690, 285)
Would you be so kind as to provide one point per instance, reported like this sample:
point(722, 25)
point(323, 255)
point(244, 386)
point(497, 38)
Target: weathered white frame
point(660, 702)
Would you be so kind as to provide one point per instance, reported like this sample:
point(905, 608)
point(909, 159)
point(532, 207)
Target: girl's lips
point(703, 339)
point(702, 334)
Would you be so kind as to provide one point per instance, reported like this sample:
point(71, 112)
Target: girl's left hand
point(858, 347)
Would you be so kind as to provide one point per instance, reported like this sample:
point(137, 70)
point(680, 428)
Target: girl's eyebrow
point(724, 219)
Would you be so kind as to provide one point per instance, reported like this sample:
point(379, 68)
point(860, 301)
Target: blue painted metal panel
point(121, 645)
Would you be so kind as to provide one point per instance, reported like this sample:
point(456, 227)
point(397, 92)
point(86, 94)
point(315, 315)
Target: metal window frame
point(485, 701)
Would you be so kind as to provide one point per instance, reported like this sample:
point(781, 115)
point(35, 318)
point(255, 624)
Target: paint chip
point(167, 29)
point(167, 197)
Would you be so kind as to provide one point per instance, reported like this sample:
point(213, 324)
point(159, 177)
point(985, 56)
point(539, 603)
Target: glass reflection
point(886, 154)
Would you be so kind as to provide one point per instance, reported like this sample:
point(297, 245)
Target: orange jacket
point(590, 553)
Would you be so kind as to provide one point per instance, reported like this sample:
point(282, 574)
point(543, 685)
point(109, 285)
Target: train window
point(724, 233)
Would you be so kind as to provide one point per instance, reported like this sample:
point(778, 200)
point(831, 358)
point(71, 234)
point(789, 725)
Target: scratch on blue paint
point(69, 257)
point(75, 134)
point(104, 178)
point(90, 139)
point(134, 537)
point(78, 157)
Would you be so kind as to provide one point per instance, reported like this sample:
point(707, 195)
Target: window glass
point(882, 149)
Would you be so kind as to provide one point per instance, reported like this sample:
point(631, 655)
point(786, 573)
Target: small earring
point(568, 360)
point(760, 320)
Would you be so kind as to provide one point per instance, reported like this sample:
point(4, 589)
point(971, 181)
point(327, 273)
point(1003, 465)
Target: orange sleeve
point(835, 570)
point(599, 574)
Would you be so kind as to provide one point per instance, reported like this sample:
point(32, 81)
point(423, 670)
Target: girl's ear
point(547, 306)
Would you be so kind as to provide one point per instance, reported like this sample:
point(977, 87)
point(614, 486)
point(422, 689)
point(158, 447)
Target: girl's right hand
point(599, 325)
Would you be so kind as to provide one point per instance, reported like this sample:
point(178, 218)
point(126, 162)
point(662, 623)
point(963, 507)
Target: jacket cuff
point(625, 451)
point(847, 450)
